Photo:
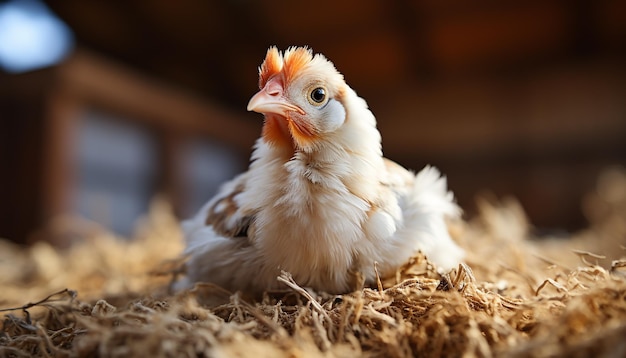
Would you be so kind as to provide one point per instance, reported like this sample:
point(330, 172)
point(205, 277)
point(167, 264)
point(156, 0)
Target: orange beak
point(271, 99)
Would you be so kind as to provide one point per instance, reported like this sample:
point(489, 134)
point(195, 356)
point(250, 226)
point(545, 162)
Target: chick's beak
point(271, 99)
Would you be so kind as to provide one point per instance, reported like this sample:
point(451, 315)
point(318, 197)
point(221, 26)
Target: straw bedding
point(514, 296)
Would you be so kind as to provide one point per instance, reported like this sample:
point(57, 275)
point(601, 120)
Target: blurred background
point(105, 104)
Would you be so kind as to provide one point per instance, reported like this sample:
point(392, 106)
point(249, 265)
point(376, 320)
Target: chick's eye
point(318, 95)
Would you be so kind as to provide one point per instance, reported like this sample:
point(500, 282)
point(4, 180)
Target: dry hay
point(514, 297)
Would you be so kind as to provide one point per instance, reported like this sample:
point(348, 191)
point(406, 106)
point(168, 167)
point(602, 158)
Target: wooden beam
point(102, 83)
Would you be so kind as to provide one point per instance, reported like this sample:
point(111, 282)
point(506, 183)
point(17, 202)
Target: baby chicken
point(318, 200)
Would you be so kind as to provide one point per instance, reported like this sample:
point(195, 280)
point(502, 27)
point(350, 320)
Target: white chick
point(318, 200)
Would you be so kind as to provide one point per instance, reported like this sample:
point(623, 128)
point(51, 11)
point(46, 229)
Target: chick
point(319, 200)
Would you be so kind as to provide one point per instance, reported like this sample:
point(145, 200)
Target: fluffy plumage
point(318, 200)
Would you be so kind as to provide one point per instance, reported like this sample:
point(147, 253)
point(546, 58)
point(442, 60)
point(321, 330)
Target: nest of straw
point(514, 296)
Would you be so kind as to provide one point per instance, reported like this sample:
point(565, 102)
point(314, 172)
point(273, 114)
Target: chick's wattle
point(318, 200)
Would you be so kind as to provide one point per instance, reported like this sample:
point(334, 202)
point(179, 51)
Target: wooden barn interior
point(521, 98)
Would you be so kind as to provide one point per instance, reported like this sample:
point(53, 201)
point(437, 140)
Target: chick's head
point(301, 98)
